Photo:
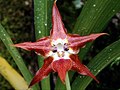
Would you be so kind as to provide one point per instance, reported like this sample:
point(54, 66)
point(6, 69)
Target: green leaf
point(67, 82)
point(42, 17)
point(16, 56)
point(98, 63)
point(59, 85)
point(94, 17)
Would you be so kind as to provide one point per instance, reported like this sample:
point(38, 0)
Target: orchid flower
point(60, 50)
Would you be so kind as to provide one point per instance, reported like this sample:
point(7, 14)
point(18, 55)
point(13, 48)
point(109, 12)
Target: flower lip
point(61, 67)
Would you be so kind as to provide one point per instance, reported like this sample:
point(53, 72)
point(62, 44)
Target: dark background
point(17, 18)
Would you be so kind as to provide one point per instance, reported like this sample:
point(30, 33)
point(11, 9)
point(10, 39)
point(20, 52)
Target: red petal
point(62, 66)
point(42, 46)
point(42, 72)
point(80, 41)
point(80, 68)
point(58, 29)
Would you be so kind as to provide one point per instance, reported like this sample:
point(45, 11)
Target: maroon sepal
point(61, 67)
point(80, 68)
point(58, 29)
point(42, 46)
point(79, 41)
point(42, 72)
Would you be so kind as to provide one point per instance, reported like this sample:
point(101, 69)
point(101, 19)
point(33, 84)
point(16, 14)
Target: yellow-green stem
point(12, 76)
point(67, 82)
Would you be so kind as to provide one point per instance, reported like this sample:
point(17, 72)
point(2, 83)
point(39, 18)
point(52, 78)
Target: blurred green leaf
point(94, 17)
point(59, 85)
point(98, 63)
point(16, 56)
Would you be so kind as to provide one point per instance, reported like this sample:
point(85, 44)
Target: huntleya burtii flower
point(60, 50)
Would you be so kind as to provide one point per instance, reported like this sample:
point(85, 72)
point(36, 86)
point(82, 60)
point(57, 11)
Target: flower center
point(60, 49)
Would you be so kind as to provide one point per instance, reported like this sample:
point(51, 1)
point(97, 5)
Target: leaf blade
point(15, 54)
point(99, 62)
point(42, 18)
point(94, 17)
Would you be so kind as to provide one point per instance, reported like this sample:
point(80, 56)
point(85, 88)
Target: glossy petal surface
point(80, 41)
point(61, 67)
point(80, 68)
point(42, 46)
point(42, 72)
point(58, 29)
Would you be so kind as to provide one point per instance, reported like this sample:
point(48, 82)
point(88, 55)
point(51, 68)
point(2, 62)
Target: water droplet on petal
point(45, 24)
point(94, 5)
point(98, 70)
point(37, 17)
point(26, 3)
point(113, 10)
point(39, 32)
point(118, 58)
point(80, 76)
point(110, 49)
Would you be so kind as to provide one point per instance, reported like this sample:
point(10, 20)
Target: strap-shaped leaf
point(42, 23)
point(15, 54)
point(94, 17)
point(99, 62)
point(42, 17)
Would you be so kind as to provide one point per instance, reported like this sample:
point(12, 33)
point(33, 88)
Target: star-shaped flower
point(60, 50)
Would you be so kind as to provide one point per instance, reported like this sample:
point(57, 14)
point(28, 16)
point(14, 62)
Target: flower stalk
point(67, 82)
